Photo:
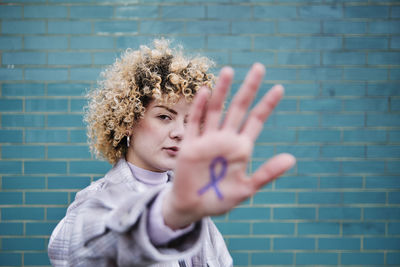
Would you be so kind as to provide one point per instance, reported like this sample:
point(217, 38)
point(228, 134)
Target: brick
point(369, 11)
point(362, 136)
point(395, 42)
point(23, 89)
point(382, 213)
point(344, 58)
point(263, 151)
point(393, 258)
point(295, 243)
point(339, 213)
point(45, 11)
point(10, 43)
point(342, 120)
point(297, 120)
point(394, 104)
point(394, 198)
point(92, 42)
point(367, 104)
point(379, 89)
point(55, 214)
point(23, 244)
point(39, 228)
point(394, 74)
point(249, 58)
point(229, 12)
point(384, 27)
point(64, 121)
point(318, 135)
point(46, 136)
point(240, 258)
point(10, 105)
point(10, 198)
point(321, 104)
point(275, 42)
point(32, 259)
point(347, 151)
point(46, 105)
point(221, 58)
point(285, 105)
point(383, 151)
point(113, 27)
point(298, 27)
point(339, 243)
point(320, 42)
point(252, 27)
point(301, 58)
point(45, 167)
point(317, 258)
point(10, 136)
point(57, 152)
point(321, 12)
point(318, 228)
point(277, 135)
point(249, 213)
point(394, 135)
point(228, 42)
point(388, 182)
point(48, 74)
point(364, 197)
point(21, 213)
point(161, 27)
point(273, 228)
point(68, 182)
point(320, 198)
point(275, 74)
point(23, 182)
point(77, 105)
point(10, 12)
point(344, 27)
point(45, 42)
point(78, 12)
point(22, 120)
point(389, 120)
point(207, 27)
point(104, 58)
point(251, 243)
point(295, 213)
point(69, 58)
point(85, 74)
point(383, 58)
point(67, 89)
point(268, 258)
point(138, 11)
point(69, 27)
point(124, 42)
point(7, 229)
point(320, 73)
point(299, 151)
point(361, 42)
point(307, 167)
point(277, 12)
point(78, 136)
point(362, 258)
point(46, 198)
point(10, 74)
point(363, 167)
point(10, 167)
point(274, 198)
point(233, 228)
point(341, 182)
point(80, 167)
point(25, 152)
point(10, 259)
point(394, 228)
point(297, 182)
point(23, 27)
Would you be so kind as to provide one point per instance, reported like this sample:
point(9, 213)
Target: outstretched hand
point(210, 175)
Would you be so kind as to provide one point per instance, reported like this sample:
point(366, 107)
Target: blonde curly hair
point(129, 85)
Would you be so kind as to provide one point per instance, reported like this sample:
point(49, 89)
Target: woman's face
point(157, 137)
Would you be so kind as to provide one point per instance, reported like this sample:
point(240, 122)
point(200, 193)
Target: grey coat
point(106, 225)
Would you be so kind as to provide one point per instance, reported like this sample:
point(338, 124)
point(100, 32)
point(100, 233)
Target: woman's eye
point(164, 117)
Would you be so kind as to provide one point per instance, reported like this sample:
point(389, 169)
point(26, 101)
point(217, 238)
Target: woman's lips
point(172, 151)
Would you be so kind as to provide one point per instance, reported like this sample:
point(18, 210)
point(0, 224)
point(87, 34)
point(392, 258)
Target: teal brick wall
point(339, 61)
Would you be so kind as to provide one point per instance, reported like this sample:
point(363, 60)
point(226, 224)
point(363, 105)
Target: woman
point(153, 114)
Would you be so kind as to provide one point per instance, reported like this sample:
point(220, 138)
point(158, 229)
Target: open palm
point(210, 175)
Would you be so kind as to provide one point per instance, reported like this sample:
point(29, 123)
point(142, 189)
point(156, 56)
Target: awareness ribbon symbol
point(215, 178)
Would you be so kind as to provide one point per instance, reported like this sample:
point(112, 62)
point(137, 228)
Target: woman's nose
point(178, 130)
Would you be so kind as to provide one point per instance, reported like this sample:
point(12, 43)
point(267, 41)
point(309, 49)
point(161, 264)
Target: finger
point(244, 97)
point(271, 170)
point(196, 113)
point(215, 104)
point(261, 112)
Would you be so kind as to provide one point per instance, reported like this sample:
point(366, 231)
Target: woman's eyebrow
point(167, 108)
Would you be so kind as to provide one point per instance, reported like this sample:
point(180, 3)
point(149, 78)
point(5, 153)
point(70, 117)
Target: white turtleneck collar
point(148, 177)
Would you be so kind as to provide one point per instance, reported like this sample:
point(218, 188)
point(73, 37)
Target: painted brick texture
point(338, 60)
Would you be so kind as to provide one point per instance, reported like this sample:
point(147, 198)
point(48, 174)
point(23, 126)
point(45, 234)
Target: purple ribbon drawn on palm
point(215, 178)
